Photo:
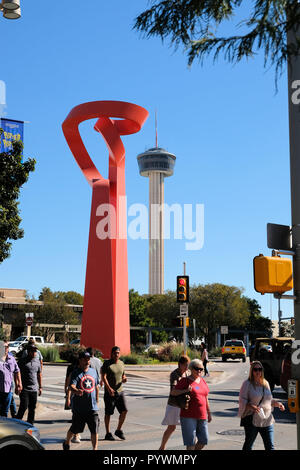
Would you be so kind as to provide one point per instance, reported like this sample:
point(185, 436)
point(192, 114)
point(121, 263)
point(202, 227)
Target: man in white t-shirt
point(95, 363)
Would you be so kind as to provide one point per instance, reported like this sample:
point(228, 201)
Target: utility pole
point(294, 132)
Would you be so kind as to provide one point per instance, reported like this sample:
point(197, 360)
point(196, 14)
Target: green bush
point(69, 351)
point(193, 353)
point(171, 352)
point(132, 359)
point(50, 354)
point(215, 352)
point(153, 351)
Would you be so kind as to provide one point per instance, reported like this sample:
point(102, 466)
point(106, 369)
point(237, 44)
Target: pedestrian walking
point(9, 372)
point(31, 374)
point(113, 376)
point(84, 385)
point(172, 413)
point(95, 363)
point(31, 342)
point(255, 408)
point(204, 358)
point(194, 419)
point(68, 392)
point(13, 406)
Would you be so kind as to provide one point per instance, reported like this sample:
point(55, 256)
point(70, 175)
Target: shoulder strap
point(262, 396)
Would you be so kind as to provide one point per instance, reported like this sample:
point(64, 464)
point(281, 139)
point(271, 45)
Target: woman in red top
point(194, 420)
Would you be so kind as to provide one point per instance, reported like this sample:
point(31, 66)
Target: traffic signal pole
point(294, 133)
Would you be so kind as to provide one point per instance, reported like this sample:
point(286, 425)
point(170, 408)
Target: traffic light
point(183, 289)
point(272, 274)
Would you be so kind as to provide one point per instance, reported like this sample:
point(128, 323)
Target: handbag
point(182, 401)
point(248, 420)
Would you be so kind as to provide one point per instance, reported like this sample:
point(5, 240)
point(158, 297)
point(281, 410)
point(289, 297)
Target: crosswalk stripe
point(55, 394)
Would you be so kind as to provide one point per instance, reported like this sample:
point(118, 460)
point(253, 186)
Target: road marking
point(55, 394)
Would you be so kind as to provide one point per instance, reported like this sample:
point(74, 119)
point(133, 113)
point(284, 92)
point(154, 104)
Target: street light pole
point(294, 132)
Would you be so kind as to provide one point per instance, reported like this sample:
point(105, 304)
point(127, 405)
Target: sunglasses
point(198, 368)
point(257, 369)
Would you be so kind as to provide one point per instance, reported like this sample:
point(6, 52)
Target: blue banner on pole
point(12, 130)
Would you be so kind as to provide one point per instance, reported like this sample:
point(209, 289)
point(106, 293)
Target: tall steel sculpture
point(105, 320)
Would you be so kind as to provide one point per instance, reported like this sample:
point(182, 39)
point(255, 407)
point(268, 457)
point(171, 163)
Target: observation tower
point(156, 163)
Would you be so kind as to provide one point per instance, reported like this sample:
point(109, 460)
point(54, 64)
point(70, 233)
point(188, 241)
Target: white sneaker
point(76, 439)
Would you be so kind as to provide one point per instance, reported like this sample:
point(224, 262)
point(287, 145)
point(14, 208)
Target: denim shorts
point(192, 428)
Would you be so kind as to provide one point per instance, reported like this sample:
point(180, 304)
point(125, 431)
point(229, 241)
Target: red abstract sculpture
point(105, 320)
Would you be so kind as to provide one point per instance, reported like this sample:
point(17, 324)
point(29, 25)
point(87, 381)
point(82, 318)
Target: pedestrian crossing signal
point(183, 289)
point(272, 274)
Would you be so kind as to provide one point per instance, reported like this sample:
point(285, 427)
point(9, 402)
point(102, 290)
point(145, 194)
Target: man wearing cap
point(113, 376)
point(31, 373)
point(84, 385)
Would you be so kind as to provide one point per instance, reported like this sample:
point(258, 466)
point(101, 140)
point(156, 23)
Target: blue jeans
point(13, 406)
point(192, 428)
point(5, 399)
point(266, 433)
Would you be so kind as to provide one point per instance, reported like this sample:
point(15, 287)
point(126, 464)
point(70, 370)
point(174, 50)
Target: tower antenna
point(156, 129)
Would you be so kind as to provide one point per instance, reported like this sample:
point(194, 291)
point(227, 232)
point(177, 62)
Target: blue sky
point(226, 125)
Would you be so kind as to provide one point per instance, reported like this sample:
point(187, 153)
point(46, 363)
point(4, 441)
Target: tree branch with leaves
point(13, 174)
point(194, 24)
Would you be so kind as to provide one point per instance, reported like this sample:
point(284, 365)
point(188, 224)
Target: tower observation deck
point(156, 163)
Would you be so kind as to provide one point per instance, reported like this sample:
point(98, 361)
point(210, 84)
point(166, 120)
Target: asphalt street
point(146, 393)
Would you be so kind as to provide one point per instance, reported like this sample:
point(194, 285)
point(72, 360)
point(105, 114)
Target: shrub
point(69, 351)
point(193, 353)
point(132, 359)
point(171, 352)
point(217, 352)
point(153, 351)
point(50, 354)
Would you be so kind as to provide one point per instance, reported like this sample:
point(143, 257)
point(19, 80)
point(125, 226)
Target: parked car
point(18, 435)
point(234, 349)
point(274, 355)
point(38, 339)
point(14, 347)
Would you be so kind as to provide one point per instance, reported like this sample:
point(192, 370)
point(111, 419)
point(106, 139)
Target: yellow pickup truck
point(234, 349)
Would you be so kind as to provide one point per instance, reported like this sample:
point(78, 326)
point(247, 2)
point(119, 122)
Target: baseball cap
point(84, 355)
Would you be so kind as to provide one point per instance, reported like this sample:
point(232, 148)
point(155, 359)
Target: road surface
point(147, 392)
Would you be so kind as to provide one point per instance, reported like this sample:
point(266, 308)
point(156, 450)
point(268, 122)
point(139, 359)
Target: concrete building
point(156, 163)
point(14, 304)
